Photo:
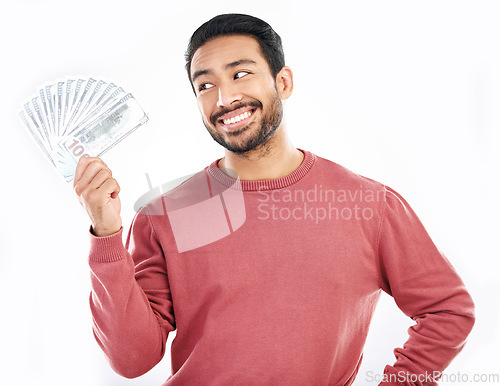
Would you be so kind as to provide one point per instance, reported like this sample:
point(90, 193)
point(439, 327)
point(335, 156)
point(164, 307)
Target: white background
point(407, 93)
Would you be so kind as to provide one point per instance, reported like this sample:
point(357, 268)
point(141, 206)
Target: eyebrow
point(236, 63)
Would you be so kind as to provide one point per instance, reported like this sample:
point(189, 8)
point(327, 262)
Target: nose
point(228, 94)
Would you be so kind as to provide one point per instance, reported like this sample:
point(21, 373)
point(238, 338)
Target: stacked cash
point(79, 117)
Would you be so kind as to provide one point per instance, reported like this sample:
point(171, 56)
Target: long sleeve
point(427, 289)
point(130, 298)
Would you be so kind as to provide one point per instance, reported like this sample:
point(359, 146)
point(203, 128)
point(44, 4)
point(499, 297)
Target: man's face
point(236, 92)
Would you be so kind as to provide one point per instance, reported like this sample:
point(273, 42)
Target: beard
point(270, 121)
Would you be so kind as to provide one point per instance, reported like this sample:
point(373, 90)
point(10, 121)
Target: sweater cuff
point(107, 249)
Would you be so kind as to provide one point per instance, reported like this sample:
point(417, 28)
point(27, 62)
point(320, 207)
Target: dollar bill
point(77, 117)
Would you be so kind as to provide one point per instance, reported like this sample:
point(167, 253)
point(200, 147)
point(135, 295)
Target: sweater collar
point(278, 183)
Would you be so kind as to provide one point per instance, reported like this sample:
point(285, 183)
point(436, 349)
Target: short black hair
point(239, 24)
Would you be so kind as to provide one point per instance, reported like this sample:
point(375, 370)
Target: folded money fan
point(74, 118)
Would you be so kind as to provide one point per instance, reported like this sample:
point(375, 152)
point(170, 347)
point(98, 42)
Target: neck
point(275, 159)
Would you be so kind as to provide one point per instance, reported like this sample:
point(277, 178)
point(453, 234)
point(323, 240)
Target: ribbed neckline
point(261, 185)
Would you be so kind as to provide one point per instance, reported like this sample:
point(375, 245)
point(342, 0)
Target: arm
point(427, 289)
point(130, 299)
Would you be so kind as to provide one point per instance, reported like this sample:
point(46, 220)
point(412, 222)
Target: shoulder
point(342, 177)
point(174, 194)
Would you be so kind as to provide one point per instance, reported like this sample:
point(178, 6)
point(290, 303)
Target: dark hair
point(239, 24)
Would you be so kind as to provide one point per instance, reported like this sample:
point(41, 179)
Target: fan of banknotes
point(78, 117)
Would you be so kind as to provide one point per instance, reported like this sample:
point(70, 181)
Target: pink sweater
point(274, 282)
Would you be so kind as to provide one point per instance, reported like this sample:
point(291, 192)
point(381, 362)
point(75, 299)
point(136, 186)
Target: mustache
point(218, 114)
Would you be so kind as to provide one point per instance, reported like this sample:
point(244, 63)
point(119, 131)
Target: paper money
point(74, 118)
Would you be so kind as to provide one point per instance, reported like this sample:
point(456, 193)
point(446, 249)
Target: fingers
point(87, 170)
point(97, 178)
point(97, 192)
point(92, 174)
point(104, 182)
point(111, 187)
point(82, 166)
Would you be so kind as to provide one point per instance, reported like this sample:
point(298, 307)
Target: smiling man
point(240, 99)
point(229, 92)
point(282, 293)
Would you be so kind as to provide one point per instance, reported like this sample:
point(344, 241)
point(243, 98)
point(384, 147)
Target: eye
point(240, 74)
point(205, 86)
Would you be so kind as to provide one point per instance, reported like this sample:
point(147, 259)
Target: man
point(283, 292)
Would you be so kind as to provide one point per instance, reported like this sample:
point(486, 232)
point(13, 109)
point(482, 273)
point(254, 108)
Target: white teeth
point(237, 118)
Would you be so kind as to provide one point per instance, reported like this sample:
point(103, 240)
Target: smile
point(237, 118)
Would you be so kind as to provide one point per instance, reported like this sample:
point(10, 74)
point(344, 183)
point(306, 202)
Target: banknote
point(77, 117)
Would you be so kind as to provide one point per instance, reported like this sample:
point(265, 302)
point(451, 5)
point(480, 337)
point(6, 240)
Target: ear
point(284, 82)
